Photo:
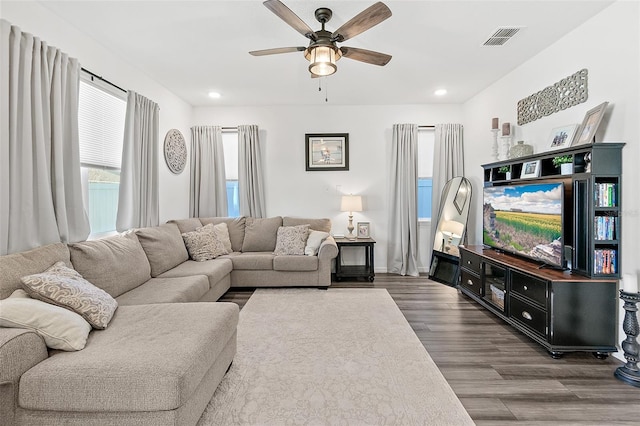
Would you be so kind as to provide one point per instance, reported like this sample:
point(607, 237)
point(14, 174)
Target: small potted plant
point(565, 162)
point(506, 170)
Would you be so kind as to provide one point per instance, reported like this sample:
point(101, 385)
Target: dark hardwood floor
point(500, 375)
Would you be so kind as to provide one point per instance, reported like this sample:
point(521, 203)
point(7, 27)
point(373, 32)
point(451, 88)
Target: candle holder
point(629, 373)
point(505, 146)
point(494, 147)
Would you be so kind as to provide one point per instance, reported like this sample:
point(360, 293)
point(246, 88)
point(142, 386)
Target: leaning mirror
point(451, 226)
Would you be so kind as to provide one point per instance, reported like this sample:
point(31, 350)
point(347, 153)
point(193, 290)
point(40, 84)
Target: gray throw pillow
point(291, 240)
point(163, 246)
point(65, 287)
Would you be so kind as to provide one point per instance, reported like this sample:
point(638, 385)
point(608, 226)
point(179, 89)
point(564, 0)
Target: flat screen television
point(525, 219)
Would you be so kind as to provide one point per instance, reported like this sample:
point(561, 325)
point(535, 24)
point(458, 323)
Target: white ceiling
point(193, 47)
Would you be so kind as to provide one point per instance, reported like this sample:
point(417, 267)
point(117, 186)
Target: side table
point(355, 271)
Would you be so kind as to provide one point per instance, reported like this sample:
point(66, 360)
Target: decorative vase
point(520, 149)
point(566, 169)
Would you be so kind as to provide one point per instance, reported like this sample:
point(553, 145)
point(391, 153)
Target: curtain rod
point(430, 126)
point(94, 75)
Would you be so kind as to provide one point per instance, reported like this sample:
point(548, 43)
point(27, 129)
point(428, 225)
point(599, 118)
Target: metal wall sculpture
point(175, 151)
point(569, 91)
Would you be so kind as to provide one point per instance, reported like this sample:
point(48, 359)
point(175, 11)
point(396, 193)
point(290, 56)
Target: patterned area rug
point(336, 356)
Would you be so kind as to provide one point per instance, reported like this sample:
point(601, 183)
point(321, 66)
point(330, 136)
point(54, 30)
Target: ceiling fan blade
point(284, 13)
point(364, 20)
point(277, 50)
point(364, 55)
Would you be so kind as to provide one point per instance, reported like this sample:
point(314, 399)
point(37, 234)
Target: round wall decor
point(175, 151)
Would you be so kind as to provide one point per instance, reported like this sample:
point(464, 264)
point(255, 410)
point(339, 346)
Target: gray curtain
point(448, 162)
point(40, 187)
point(250, 185)
point(402, 247)
point(208, 187)
point(138, 202)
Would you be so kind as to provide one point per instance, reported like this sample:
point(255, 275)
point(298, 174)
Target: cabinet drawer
point(470, 261)
point(528, 315)
point(471, 282)
point(529, 287)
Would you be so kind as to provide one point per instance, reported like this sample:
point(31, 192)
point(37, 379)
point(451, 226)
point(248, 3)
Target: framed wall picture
point(530, 169)
point(590, 123)
point(363, 230)
point(562, 137)
point(326, 151)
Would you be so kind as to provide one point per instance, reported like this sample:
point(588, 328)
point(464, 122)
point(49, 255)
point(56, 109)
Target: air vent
point(501, 36)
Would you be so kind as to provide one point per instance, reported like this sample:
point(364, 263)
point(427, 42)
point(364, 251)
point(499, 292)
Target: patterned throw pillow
point(291, 240)
point(65, 287)
point(202, 244)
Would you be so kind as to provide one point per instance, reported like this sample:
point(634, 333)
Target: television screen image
point(525, 220)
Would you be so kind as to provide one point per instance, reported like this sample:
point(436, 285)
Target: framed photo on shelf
point(530, 169)
point(363, 230)
point(326, 151)
point(561, 137)
point(590, 123)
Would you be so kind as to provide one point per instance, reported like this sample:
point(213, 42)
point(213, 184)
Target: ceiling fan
point(322, 52)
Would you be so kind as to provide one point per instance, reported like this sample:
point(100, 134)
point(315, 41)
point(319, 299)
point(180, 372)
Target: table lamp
point(451, 229)
point(351, 203)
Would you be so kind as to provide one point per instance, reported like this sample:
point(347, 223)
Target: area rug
point(335, 357)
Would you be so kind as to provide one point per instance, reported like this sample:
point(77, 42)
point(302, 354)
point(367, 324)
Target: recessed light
point(440, 92)
point(214, 95)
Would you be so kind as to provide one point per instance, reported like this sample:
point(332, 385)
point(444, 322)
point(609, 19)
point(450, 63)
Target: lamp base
point(350, 228)
point(628, 376)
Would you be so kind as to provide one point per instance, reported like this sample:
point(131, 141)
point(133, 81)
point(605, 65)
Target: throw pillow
point(60, 328)
point(202, 244)
point(260, 233)
point(313, 242)
point(65, 287)
point(222, 233)
point(291, 240)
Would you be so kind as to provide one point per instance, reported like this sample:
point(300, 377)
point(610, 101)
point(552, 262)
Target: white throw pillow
point(313, 242)
point(59, 327)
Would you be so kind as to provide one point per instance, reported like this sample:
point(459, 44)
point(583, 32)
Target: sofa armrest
point(328, 249)
point(20, 350)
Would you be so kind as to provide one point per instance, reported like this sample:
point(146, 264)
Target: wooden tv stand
point(562, 311)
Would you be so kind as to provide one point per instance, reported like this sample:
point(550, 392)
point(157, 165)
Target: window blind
point(101, 117)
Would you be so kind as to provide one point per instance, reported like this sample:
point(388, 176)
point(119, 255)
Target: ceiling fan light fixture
point(322, 60)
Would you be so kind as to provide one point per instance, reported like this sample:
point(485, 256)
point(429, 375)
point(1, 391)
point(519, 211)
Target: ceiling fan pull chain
point(326, 89)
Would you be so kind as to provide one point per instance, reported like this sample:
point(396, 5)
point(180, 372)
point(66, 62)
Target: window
point(230, 147)
point(426, 140)
point(101, 116)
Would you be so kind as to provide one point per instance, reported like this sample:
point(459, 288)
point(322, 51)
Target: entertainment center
point(551, 259)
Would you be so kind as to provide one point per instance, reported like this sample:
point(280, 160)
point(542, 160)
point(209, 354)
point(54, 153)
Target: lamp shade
point(351, 203)
point(452, 228)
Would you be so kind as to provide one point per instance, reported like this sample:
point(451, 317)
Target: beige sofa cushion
point(17, 265)
point(59, 327)
point(315, 224)
point(295, 263)
point(65, 287)
point(164, 247)
point(214, 270)
point(260, 260)
point(187, 225)
point(260, 234)
point(152, 358)
point(236, 228)
point(115, 264)
point(167, 290)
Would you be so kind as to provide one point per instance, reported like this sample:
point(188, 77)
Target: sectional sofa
point(161, 356)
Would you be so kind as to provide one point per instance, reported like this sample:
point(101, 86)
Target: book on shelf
point(605, 261)
point(605, 227)
point(606, 195)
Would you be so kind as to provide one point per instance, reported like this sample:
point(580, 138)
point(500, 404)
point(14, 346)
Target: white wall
point(608, 46)
point(36, 19)
point(292, 191)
